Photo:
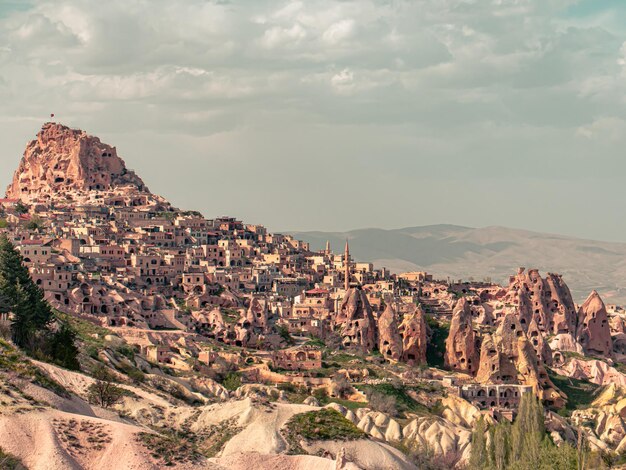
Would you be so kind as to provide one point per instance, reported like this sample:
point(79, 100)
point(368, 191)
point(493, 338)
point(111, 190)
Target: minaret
point(346, 262)
point(327, 251)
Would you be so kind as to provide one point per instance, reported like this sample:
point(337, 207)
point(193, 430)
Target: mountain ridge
point(459, 252)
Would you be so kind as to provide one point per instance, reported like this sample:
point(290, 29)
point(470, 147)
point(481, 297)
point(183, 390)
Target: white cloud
point(606, 129)
point(475, 85)
point(339, 31)
point(283, 37)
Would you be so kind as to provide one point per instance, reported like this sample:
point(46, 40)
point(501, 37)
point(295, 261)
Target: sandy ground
point(40, 439)
point(256, 461)
point(49, 432)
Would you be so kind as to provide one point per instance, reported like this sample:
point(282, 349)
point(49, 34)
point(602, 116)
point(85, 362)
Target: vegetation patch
point(392, 399)
point(170, 449)
point(322, 425)
point(232, 381)
point(214, 438)
point(230, 316)
point(580, 393)
point(12, 360)
point(173, 448)
point(86, 332)
point(10, 462)
point(437, 345)
point(295, 393)
point(322, 397)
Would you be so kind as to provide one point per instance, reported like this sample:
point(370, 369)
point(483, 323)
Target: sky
point(335, 115)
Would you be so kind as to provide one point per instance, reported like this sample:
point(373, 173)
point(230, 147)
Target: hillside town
point(194, 295)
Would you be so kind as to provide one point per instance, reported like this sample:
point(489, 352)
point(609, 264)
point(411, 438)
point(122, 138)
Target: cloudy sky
point(335, 115)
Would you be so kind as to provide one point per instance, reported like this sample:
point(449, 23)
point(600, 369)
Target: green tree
point(5, 305)
point(283, 331)
point(35, 224)
point(500, 446)
point(21, 208)
point(232, 381)
point(63, 349)
point(478, 455)
point(528, 432)
point(31, 313)
point(103, 392)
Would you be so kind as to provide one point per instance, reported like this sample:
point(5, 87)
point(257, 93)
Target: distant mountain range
point(494, 252)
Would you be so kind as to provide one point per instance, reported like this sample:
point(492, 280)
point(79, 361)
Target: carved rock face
point(389, 340)
point(508, 356)
point(355, 321)
point(545, 302)
point(413, 330)
point(461, 348)
point(594, 332)
point(62, 162)
point(257, 315)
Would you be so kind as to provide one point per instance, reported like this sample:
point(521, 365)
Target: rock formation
point(546, 301)
point(257, 315)
point(461, 348)
point(508, 356)
point(413, 330)
point(64, 164)
point(549, 301)
point(594, 333)
point(389, 340)
point(540, 345)
point(355, 321)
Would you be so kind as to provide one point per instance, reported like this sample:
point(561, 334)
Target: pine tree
point(5, 305)
point(31, 313)
point(500, 451)
point(528, 432)
point(478, 455)
point(63, 349)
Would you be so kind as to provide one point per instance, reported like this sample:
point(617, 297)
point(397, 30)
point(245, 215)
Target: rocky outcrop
point(374, 423)
point(548, 301)
point(461, 412)
point(561, 305)
point(461, 345)
point(597, 372)
point(257, 315)
point(440, 437)
point(508, 356)
point(594, 333)
point(413, 331)
point(540, 345)
point(64, 164)
point(604, 419)
point(492, 367)
point(389, 340)
point(355, 321)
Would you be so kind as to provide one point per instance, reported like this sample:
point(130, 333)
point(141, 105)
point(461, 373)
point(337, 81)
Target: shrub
point(340, 386)
point(170, 449)
point(103, 392)
point(383, 403)
point(232, 381)
point(323, 425)
point(10, 462)
point(320, 394)
point(283, 331)
point(127, 351)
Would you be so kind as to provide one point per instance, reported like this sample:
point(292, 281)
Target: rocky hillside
point(68, 165)
point(464, 252)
